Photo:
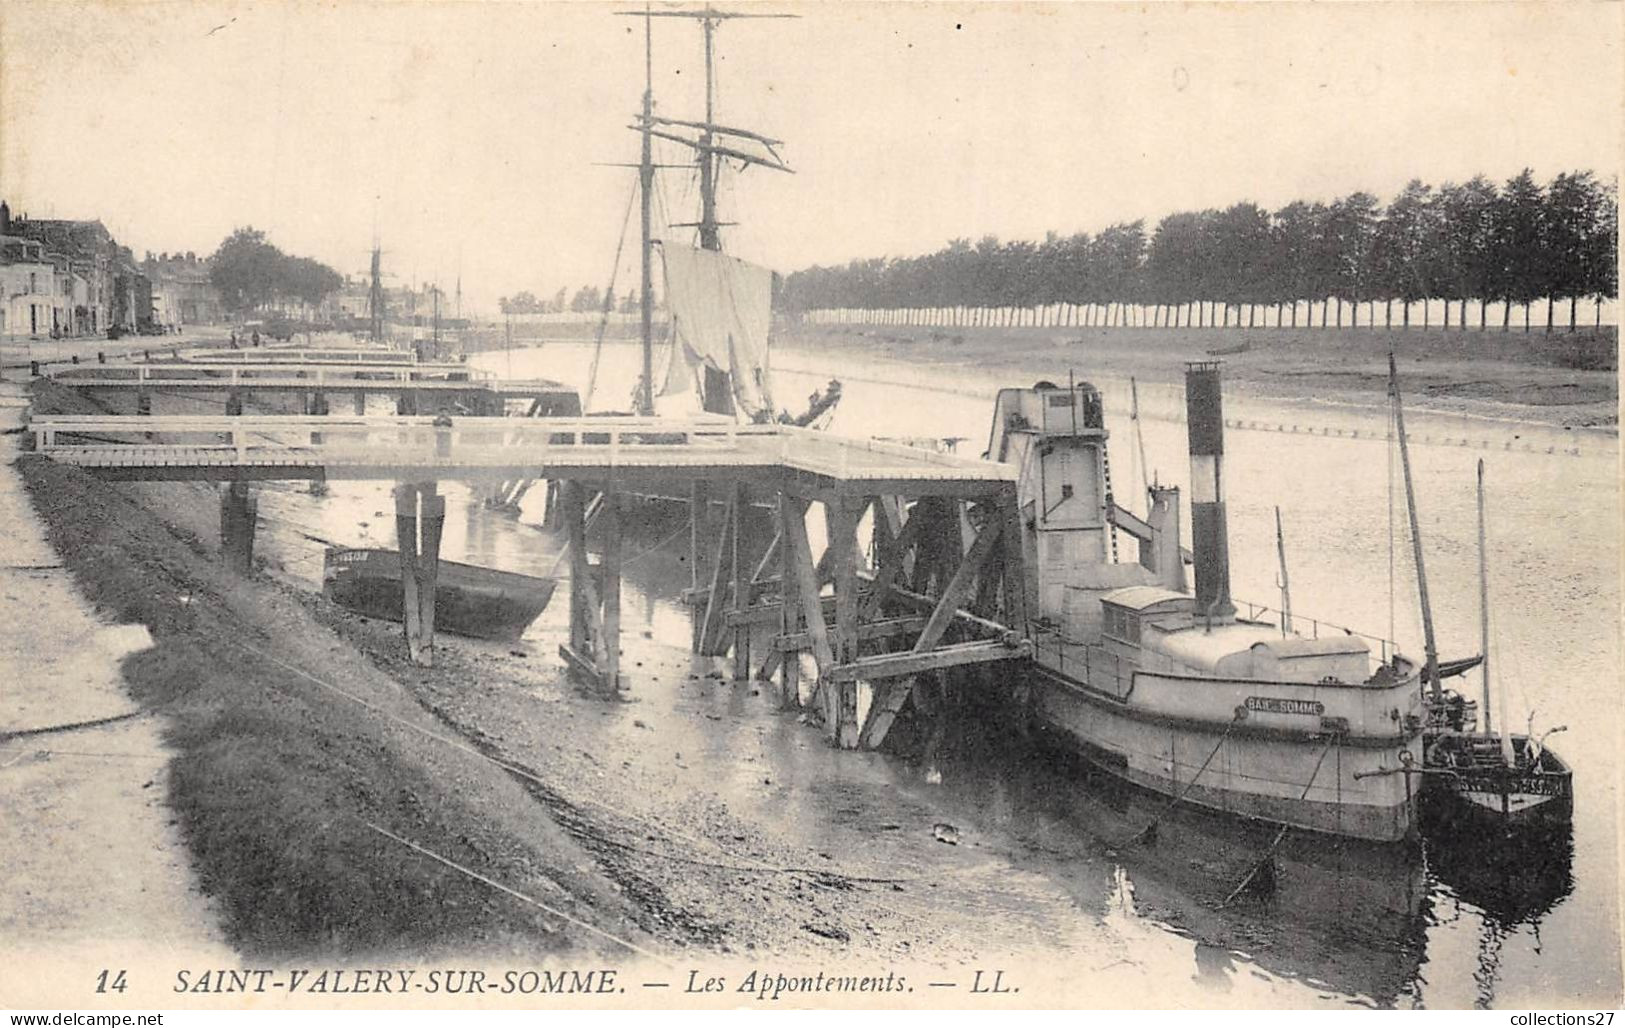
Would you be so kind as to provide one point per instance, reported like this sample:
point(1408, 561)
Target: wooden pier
point(315, 375)
point(935, 585)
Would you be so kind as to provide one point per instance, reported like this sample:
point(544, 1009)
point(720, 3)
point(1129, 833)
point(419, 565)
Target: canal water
point(1346, 924)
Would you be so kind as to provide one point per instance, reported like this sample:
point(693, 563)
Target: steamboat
point(1167, 686)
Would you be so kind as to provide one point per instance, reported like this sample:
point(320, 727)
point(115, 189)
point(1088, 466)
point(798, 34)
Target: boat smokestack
point(1210, 544)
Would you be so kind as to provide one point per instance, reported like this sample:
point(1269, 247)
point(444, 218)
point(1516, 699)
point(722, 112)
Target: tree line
point(1514, 245)
point(252, 274)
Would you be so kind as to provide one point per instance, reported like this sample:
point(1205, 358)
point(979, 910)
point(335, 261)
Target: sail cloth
point(721, 312)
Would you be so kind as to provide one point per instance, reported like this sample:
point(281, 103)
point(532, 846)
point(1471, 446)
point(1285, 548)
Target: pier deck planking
point(413, 448)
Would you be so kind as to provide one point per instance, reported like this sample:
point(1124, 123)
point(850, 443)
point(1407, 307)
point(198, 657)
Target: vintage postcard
point(701, 506)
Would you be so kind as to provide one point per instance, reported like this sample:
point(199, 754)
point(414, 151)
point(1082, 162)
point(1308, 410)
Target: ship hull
point(1342, 784)
point(1487, 796)
point(482, 603)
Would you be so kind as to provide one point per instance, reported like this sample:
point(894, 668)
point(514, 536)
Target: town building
point(90, 283)
point(32, 300)
point(182, 293)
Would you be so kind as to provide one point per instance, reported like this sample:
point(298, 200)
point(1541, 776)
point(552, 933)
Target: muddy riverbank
point(295, 755)
point(1564, 380)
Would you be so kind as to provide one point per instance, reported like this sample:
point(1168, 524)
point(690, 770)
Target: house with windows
point(182, 293)
point(31, 302)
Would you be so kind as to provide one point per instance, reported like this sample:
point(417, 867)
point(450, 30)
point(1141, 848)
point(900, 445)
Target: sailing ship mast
point(435, 335)
point(646, 178)
point(1431, 674)
point(375, 298)
point(716, 392)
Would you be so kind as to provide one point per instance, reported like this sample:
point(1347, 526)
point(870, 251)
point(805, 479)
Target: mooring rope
point(1269, 851)
point(1149, 832)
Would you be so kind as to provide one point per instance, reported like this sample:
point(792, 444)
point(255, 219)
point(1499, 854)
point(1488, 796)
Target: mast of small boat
point(375, 296)
point(435, 291)
point(1139, 439)
point(1507, 752)
point(646, 177)
point(1286, 588)
point(1430, 674)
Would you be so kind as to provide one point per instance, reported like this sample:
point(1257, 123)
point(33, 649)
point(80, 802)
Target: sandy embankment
point(292, 749)
point(94, 866)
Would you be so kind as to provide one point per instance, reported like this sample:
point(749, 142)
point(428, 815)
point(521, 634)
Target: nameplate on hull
point(1279, 705)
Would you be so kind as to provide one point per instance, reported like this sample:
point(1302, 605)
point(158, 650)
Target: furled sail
point(721, 312)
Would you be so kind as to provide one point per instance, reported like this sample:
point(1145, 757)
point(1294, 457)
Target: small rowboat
point(469, 600)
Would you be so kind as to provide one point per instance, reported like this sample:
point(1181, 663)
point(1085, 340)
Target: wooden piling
point(699, 542)
point(712, 636)
point(743, 524)
point(790, 523)
point(431, 521)
point(842, 700)
point(610, 681)
point(238, 520)
point(420, 514)
point(574, 513)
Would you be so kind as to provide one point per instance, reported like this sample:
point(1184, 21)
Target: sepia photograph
point(753, 505)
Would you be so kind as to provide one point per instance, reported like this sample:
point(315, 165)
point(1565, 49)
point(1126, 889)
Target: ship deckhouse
point(1158, 630)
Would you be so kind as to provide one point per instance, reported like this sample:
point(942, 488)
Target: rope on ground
point(71, 726)
point(753, 867)
point(634, 947)
point(1269, 852)
point(101, 754)
point(1148, 834)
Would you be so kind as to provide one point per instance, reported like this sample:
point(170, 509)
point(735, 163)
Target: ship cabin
point(1057, 436)
point(1157, 630)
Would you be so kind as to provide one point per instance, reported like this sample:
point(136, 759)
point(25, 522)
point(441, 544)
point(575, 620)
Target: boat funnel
point(1210, 544)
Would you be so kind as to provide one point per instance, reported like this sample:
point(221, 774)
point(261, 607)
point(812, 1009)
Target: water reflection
point(1344, 916)
point(1512, 879)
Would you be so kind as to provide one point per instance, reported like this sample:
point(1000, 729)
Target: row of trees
point(1514, 244)
point(587, 298)
point(252, 274)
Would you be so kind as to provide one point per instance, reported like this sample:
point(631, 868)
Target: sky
point(474, 138)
